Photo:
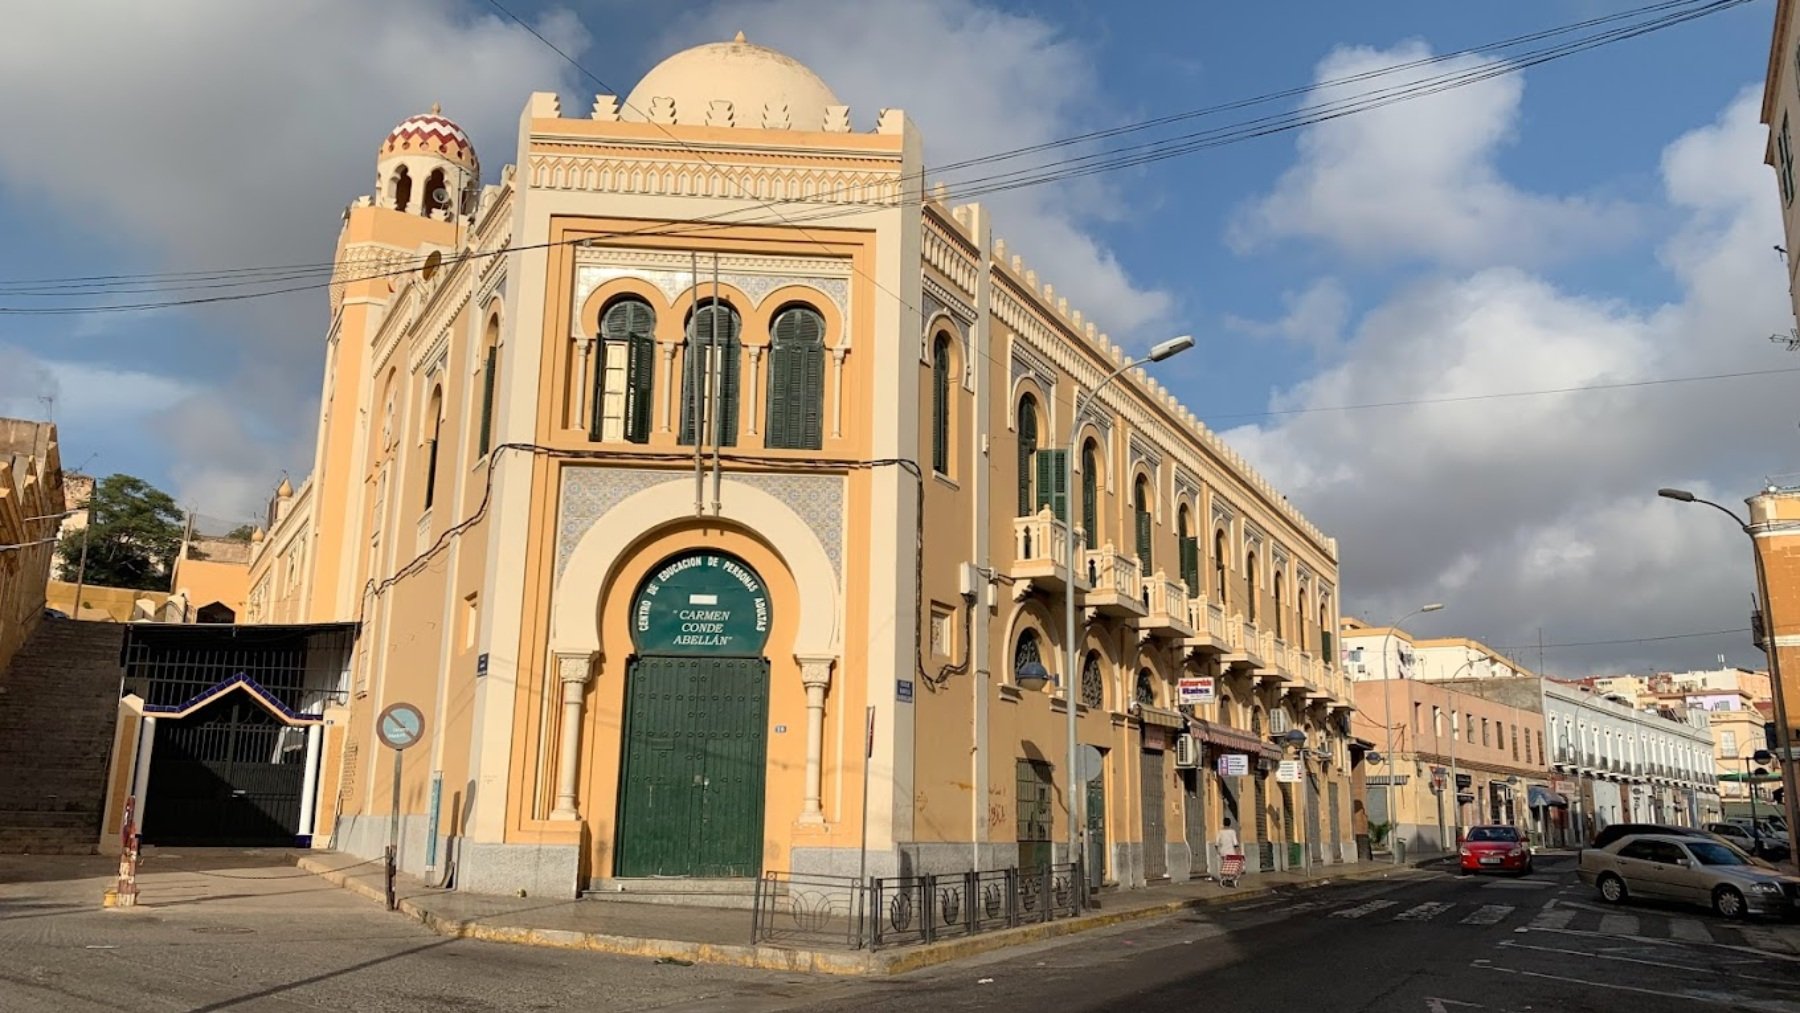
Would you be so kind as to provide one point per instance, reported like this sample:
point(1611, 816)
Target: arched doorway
point(696, 721)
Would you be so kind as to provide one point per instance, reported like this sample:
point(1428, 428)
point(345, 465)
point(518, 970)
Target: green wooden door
point(691, 795)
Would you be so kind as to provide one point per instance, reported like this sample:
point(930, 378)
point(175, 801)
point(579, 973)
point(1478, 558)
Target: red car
point(1495, 849)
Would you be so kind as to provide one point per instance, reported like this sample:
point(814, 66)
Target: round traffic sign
point(400, 725)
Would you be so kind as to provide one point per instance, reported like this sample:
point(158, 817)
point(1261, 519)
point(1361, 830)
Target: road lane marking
point(1763, 939)
point(1490, 914)
point(1601, 955)
point(1619, 925)
point(1359, 910)
point(1689, 930)
point(1424, 912)
point(1517, 884)
point(1764, 954)
point(1555, 918)
point(1695, 996)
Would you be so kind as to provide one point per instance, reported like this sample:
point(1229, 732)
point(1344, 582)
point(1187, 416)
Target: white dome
point(752, 78)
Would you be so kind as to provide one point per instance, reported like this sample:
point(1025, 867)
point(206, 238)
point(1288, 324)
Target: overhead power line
point(1627, 640)
point(1667, 14)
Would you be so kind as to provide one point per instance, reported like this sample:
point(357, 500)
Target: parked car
point(1497, 848)
point(1609, 834)
point(1750, 840)
point(1767, 828)
point(1688, 869)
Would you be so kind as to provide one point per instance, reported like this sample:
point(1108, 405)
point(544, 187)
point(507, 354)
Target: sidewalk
point(714, 936)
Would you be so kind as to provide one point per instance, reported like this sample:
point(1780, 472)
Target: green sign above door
point(701, 603)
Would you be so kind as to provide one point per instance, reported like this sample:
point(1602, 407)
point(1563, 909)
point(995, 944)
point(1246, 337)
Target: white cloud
point(976, 80)
point(1542, 511)
point(97, 395)
point(190, 134)
point(1315, 316)
point(1418, 177)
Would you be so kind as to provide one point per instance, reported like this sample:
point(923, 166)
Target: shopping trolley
point(1230, 868)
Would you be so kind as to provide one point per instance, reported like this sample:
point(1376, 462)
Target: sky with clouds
point(1606, 219)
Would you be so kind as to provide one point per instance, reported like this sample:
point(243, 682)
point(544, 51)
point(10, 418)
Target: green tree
point(134, 531)
point(241, 533)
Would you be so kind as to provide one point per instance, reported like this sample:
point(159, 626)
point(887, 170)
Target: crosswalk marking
point(1489, 914)
point(1763, 939)
point(1619, 925)
point(1423, 912)
point(1688, 931)
point(1554, 918)
point(1362, 909)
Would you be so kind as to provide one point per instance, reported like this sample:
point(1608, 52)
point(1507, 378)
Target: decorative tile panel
point(674, 284)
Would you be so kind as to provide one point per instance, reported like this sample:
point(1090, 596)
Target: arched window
point(625, 379)
point(1250, 584)
point(1189, 550)
point(796, 402)
point(434, 428)
point(1325, 630)
point(1219, 582)
point(401, 192)
point(1146, 688)
point(940, 404)
point(709, 375)
point(1093, 683)
point(437, 193)
point(1026, 651)
point(1028, 445)
point(490, 366)
point(1141, 501)
point(1280, 617)
point(1090, 492)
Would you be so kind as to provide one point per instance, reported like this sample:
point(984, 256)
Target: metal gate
point(1156, 853)
point(1033, 829)
point(1333, 808)
point(1194, 819)
point(1096, 829)
point(1314, 845)
point(691, 799)
point(229, 774)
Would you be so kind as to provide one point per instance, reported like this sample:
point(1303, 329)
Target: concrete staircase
point(59, 703)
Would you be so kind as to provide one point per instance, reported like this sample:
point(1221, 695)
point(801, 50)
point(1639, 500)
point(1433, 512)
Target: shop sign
point(701, 603)
point(1234, 765)
point(1197, 689)
point(1289, 772)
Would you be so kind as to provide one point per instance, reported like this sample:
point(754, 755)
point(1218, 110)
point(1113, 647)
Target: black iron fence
point(924, 909)
point(812, 911)
point(839, 911)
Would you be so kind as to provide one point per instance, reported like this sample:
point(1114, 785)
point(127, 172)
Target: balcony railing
point(1114, 582)
point(1215, 620)
point(1041, 549)
point(1168, 606)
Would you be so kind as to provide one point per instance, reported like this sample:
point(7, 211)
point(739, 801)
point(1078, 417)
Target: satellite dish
point(432, 262)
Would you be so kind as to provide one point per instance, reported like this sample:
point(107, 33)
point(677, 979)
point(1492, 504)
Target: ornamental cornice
point(665, 177)
point(702, 150)
point(950, 257)
point(365, 262)
point(950, 302)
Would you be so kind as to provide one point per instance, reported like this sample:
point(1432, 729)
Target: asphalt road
point(1437, 943)
point(232, 935)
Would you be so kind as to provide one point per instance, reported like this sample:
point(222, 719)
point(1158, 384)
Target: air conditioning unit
point(1187, 752)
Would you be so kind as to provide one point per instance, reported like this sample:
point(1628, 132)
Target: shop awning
point(1157, 717)
point(1543, 798)
point(1226, 739)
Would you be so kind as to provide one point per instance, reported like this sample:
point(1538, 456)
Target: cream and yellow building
point(637, 657)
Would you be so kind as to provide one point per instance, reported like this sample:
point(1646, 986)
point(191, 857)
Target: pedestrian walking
point(1231, 857)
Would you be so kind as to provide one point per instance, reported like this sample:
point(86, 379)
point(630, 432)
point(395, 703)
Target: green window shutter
point(727, 401)
point(940, 405)
point(1090, 496)
point(724, 383)
point(1143, 540)
point(1325, 647)
point(1052, 482)
point(1027, 423)
point(796, 381)
point(1190, 564)
point(487, 401)
point(640, 387)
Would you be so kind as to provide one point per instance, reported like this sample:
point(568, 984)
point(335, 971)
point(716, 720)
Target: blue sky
point(1599, 219)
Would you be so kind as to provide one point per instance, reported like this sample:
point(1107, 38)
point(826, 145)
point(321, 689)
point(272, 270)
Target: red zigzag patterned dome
point(430, 133)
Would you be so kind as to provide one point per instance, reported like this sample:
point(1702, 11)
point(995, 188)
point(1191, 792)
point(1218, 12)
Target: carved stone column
point(573, 669)
point(815, 672)
point(755, 387)
point(837, 390)
point(669, 394)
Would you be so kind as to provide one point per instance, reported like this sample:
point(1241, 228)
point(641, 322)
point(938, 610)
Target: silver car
point(1693, 870)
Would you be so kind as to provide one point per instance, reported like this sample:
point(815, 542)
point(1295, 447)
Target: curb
point(776, 958)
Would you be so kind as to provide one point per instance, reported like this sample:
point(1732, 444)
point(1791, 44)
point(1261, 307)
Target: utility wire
point(1627, 640)
point(1685, 10)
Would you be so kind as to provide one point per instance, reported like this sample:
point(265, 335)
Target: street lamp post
point(1072, 660)
point(1387, 718)
point(1783, 731)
